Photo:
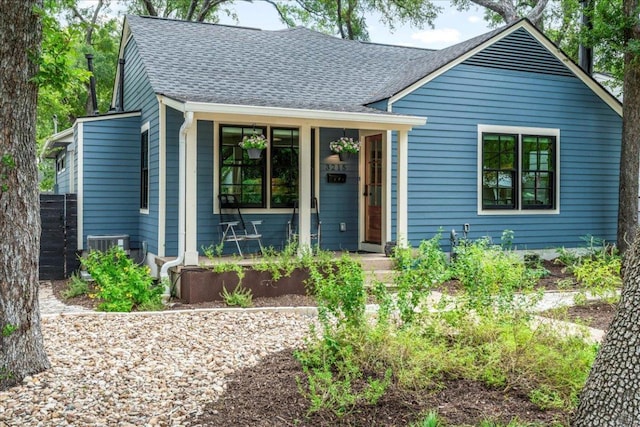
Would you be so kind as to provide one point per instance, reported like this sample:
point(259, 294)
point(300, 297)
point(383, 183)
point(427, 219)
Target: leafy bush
point(600, 276)
point(417, 272)
point(120, 284)
point(490, 276)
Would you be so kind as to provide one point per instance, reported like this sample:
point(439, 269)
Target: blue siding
point(173, 122)
point(207, 221)
point(138, 95)
point(443, 154)
point(379, 105)
point(338, 202)
point(111, 193)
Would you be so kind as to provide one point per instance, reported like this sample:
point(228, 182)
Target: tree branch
point(148, 5)
point(504, 8)
point(207, 7)
point(192, 9)
point(283, 17)
point(535, 16)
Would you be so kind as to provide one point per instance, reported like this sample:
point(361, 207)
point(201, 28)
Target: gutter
point(182, 207)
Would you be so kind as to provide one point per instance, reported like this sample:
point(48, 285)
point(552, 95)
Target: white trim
point(316, 178)
point(602, 93)
point(402, 217)
point(62, 136)
point(108, 117)
point(387, 155)
point(80, 193)
point(304, 189)
point(71, 149)
point(191, 195)
point(162, 176)
point(145, 128)
point(518, 130)
point(127, 36)
point(300, 117)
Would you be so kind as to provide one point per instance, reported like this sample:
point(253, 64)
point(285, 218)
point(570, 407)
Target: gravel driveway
point(143, 369)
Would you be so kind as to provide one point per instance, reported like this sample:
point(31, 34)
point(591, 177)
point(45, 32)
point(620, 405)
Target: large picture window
point(268, 182)
point(519, 171)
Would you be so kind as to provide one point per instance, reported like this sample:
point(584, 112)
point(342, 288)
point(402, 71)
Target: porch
point(362, 200)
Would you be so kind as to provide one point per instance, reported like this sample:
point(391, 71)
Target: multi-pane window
point(239, 174)
point(144, 170)
point(268, 182)
point(518, 171)
point(284, 167)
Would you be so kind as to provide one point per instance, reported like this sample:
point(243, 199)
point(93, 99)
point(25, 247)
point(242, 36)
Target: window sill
point(144, 211)
point(517, 212)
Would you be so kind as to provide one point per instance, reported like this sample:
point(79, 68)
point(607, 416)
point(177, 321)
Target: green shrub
point(75, 287)
point(417, 272)
point(120, 284)
point(600, 276)
point(490, 275)
point(240, 297)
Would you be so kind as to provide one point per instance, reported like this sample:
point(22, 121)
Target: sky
point(450, 27)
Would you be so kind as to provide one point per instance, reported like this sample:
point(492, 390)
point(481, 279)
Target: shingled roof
point(293, 68)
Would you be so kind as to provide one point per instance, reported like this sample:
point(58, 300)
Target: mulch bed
point(268, 395)
point(596, 314)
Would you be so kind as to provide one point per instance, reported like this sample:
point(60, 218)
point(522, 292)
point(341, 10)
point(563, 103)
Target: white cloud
point(474, 19)
point(439, 37)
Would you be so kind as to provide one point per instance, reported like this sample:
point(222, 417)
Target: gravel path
point(142, 369)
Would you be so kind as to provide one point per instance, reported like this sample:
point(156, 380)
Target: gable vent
point(520, 51)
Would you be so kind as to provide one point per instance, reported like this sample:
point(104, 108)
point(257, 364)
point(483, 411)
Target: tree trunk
point(21, 347)
point(629, 157)
point(611, 396)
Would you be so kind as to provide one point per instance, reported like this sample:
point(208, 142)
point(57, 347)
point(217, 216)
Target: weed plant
point(120, 284)
point(75, 287)
point(239, 297)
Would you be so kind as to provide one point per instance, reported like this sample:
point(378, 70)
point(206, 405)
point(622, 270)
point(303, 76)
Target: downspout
point(182, 208)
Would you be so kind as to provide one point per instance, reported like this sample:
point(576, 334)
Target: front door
point(373, 189)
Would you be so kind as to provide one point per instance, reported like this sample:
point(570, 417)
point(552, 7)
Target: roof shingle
point(294, 68)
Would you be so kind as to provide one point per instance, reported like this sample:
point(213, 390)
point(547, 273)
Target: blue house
point(502, 131)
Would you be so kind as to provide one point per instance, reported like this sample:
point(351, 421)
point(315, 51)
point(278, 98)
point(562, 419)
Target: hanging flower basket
point(254, 153)
point(254, 144)
point(344, 147)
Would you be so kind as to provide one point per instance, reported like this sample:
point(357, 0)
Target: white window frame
point(62, 158)
point(145, 128)
point(520, 131)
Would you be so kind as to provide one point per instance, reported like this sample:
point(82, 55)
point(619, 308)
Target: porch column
point(402, 205)
point(191, 197)
point(304, 191)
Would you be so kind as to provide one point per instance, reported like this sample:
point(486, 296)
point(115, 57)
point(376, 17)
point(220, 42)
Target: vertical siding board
point(111, 177)
point(443, 154)
point(139, 95)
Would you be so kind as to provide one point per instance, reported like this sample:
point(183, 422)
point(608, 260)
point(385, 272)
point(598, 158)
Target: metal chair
point(233, 226)
point(292, 224)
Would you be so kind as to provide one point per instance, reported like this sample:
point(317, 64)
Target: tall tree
point(188, 10)
point(21, 345)
point(611, 396)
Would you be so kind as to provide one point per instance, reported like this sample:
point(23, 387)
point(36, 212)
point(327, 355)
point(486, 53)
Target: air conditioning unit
point(104, 243)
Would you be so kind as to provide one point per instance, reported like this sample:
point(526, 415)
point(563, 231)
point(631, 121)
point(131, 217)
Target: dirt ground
point(269, 395)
